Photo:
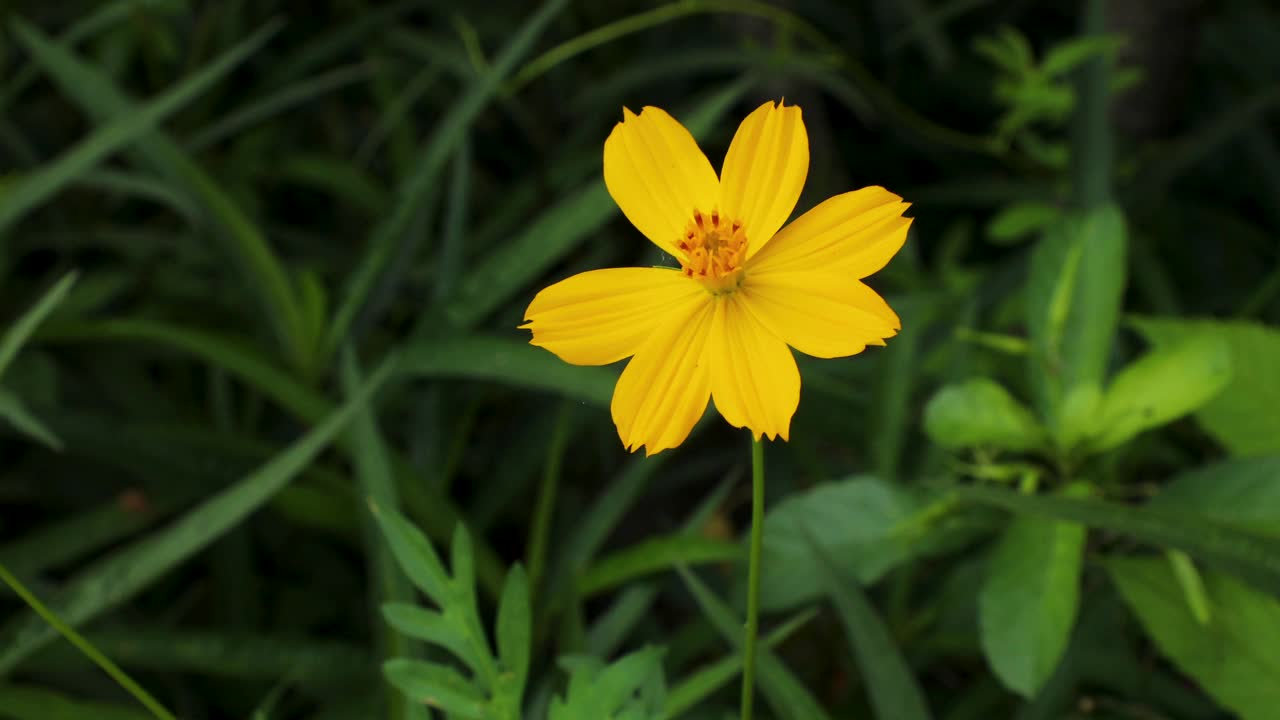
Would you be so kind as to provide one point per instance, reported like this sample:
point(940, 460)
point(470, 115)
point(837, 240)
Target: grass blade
point(116, 134)
point(895, 694)
point(119, 576)
point(788, 698)
point(390, 235)
point(17, 335)
point(121, 677)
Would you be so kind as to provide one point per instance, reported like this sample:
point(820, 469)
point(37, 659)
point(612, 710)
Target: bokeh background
point(1055, 494)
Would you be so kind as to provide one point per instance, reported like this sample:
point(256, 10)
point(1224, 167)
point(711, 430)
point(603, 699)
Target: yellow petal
point(855, 233)
point(764, 171)
point(603, 316)
point(657, 175)
point(664, 389)
point(822, 314)
point(754, 379)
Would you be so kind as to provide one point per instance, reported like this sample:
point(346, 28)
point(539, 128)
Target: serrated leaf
point(1242, 417)
point(434, 628)
point(597, 691)
point(415, 554)
point(437, 686)
point(1028, 603)
point(1235, 656)
point(1160, 387)
point(514, 631)
point(981, 413)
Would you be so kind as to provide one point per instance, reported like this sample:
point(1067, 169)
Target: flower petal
point(764, 171)
point(754, 379)
point(603, 316)
point(822, 314)
point(664, 389)
point(657, 175)
point(854, 233)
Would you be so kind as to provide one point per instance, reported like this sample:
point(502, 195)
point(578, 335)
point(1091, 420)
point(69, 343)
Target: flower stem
point(753, 578)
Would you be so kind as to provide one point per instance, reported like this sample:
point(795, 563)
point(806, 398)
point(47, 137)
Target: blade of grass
point(540, 530)
point(114, 579)
point(15, 412)
point(243, 656)
point(16, 336)
point(111, 669)
point(895, 694)
point(377, 485)
point(37, 187)
point(387, 239)
point(784, 20)
point(656, 554)
point(279, 101)
point(245, 243)
point(702, 684)
point(788, 698)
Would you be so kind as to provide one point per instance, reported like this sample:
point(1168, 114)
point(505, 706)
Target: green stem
point(102, 661)
point(753, 578)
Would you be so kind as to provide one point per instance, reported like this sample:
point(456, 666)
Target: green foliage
point(1235, 656)
point(1242, 417)
point(261, 271)
point(1029, 600)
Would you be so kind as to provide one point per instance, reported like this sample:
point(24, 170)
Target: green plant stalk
point(120, 676)
point(753, 578)
point(540, 533)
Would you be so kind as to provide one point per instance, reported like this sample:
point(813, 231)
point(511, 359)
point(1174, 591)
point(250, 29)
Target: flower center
point(714, 251)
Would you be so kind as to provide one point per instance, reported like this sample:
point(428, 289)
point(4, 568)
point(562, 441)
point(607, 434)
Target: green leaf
point(1243, 493)
point(38, 187)
point(1074, 291)
point(437, 686)
point(786, 695)
point(1235, 657)
point(13, 410)
point(853, 520)
point(1160, 387)
point(609, 692)
point(981, 413)
point(16, 336)
point(514, 630)
point(433, 627)
point(1028, 603)
point(1017, 221)
point(509, 361)
point(1064, 58)
point(895, 694)
point(122, 574)
point(415, 554)
point(1252, 556)
point(654, 555)
point(1242, 417)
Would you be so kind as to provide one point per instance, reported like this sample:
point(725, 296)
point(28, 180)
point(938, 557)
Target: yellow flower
point(720, 326)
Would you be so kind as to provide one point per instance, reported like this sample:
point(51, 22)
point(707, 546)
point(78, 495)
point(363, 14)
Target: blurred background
point(223, 223)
